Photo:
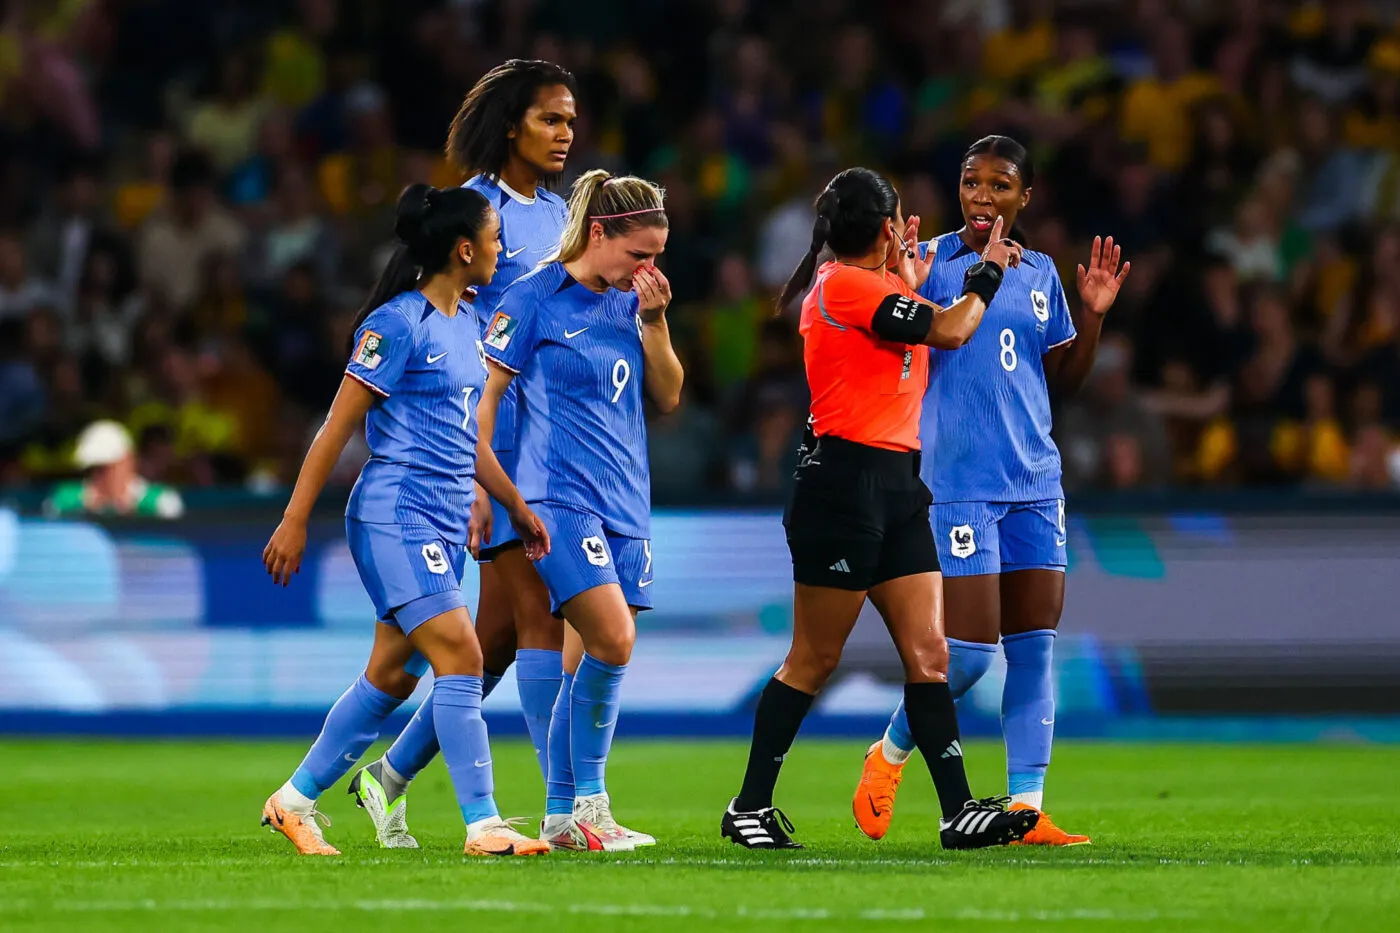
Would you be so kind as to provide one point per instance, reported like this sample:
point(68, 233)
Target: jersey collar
point(965, 250)
point(514, 195)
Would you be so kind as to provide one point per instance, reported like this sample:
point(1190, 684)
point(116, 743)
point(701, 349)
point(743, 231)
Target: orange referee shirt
point(864, 389)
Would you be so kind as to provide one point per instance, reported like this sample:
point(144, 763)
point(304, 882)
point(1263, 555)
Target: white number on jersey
point(621, 372)
point(467, 405)
point(1008, 350)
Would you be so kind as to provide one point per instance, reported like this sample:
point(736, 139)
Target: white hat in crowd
point(102, 443)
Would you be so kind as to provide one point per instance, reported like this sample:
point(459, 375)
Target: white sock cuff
point(294, 800)
point(892, 752)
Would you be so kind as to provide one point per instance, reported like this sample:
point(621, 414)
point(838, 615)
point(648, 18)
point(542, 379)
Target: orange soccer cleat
point(500, 837)
point(1046, 833)
point(300, 828)
point(873, 804)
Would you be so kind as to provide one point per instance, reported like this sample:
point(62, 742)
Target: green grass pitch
point(154, 836)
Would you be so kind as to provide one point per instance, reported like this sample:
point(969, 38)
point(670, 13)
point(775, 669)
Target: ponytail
point(851, 211)
point(428, 222)
point(802, 276)
point(620, 205)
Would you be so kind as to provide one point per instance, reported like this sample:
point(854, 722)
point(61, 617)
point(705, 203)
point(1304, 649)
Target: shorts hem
point(1012, 568)
point(487, 554)
point(829, 580)
point(415, 612)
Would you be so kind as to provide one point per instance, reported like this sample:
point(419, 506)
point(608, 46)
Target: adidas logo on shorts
point(841, 566)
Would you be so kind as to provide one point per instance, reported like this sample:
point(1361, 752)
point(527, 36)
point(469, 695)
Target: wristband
point(982, 279)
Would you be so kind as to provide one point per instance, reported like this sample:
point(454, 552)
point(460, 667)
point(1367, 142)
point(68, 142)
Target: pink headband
point(645, 210)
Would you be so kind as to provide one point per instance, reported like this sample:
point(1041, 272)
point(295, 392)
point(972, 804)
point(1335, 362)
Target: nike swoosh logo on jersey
point(433, 359)
point(571, 334)
point(1059, 542)
point(646, 583)
point(512, 253)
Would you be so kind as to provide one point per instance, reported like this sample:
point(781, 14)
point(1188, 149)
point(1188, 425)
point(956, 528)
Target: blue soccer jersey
point(583, 433)
point(986, 417)
point(429, 371)
point(531, 228)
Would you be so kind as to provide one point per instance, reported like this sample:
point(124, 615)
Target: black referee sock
point(781, 710)
point(933, 722)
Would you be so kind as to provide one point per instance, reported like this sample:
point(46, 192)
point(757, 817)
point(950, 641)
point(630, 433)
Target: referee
point(858, 522)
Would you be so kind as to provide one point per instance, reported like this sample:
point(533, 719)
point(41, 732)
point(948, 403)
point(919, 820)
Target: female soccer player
point(511, 137)
point(999, 517)
point(415, 378)
point(857, 524)
point(585, 337)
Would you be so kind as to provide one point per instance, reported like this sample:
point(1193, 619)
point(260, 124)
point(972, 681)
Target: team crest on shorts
point(595, 550)
point(963, 541)
point(435, 559)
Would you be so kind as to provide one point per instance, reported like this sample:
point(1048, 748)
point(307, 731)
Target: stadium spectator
point(111, 485)
point(164, 182)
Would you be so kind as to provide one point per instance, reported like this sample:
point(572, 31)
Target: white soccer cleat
point(390, 818)
point(562, 831)
point(595, 814)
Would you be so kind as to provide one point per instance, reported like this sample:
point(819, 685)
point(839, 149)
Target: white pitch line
point(718, 862)
point(419, 905)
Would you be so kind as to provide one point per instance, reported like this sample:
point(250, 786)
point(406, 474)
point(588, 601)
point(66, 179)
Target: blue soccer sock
point(597, 697)
point(465, 746)
point(559, 776)
point(1028, 713)
point(967, 662)
point(417, 744)
point(537, 675)
point(351, 726)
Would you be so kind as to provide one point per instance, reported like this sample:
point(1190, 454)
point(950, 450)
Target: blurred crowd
point(194, 198)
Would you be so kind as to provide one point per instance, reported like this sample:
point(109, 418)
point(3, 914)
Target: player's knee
point(613, 645)
point(927, 660)
point(536, 627)
point(390, 679)
point(809, 667)
point(458, 653)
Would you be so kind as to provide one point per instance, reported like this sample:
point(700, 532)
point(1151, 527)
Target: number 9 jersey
point(986, 415)
point(582, 441)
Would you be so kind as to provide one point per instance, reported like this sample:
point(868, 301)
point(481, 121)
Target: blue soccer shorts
point(999, 537)
point(583, 554)
point(410, 572)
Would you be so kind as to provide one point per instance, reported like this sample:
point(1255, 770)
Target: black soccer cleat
point(761, 829)
point(986, 822)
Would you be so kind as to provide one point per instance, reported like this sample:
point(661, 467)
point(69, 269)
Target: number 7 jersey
point(428, 371)
point(986, 417)
point(582, 439)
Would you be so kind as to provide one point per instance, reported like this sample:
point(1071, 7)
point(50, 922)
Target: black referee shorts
point(858, 517)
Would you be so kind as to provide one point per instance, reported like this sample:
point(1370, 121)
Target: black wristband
point(982, 279)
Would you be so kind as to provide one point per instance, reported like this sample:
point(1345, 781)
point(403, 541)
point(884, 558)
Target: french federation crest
point(1040, 304)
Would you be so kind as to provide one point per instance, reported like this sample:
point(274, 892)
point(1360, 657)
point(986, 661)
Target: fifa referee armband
point(982, 279)
point(902, 319)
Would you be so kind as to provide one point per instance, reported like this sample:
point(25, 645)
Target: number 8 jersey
point(986, 416)
point(582, 438)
